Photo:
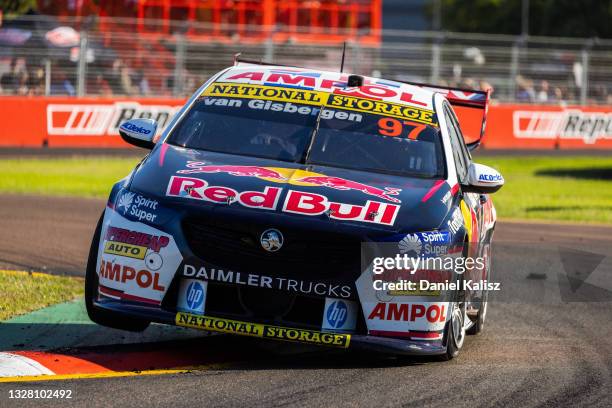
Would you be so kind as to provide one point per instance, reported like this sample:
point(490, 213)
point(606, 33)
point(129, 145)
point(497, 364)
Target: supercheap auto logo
point(262, 330)
point(294, 176)
point(136, 245)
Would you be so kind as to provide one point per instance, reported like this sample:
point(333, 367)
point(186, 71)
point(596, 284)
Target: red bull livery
point(280, 203)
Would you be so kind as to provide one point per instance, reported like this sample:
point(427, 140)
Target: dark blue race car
point(262, 205)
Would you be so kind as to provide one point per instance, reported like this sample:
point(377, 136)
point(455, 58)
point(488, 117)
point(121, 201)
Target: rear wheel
point(100, 316)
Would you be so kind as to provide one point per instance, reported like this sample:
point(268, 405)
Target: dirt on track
point(547, 342)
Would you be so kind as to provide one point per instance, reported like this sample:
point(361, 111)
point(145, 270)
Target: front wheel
point(100, 316)
point(483, 303)
point(455, 333)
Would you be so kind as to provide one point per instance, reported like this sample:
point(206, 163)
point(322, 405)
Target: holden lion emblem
point(271, 240)
point(410, 243)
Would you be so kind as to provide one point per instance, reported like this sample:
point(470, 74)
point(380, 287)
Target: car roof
point(326, 81)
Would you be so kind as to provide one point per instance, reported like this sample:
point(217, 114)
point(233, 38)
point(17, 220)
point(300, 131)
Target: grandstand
point(169, 47)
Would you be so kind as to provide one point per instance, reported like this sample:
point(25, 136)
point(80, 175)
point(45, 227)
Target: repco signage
point(567, 124)
point(81, 119)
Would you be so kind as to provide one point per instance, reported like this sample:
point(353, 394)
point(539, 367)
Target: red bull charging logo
point(294, 176)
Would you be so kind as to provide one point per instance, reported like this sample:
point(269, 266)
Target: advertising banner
point(93, 122)
point(76, 122)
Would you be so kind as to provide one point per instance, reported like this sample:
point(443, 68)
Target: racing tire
point(480, 318)
point(100, 316)
point(482, 311)
point(455, 333)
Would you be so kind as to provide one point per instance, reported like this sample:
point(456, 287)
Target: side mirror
point(483, 179)
point(139, 132)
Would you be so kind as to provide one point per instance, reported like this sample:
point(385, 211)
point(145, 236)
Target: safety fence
point(93, 122)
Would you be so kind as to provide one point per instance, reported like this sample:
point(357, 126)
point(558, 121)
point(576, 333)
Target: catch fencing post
point(436, 58)
point(179, 65)
point(584, 57)
point(514, 70)
point(82, 65)
point(47, 77)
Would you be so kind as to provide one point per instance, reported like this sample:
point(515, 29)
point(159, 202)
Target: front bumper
point(378, 344)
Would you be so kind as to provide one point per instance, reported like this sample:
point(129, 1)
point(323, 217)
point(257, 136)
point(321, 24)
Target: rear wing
point(471, 108)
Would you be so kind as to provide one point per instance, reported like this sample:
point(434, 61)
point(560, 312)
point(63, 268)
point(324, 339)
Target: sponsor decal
point(410, 244)
point(137, 207)
point(150, 241)
point(296, 202)
point(311, 204)
point(339, 315)
point(136, 261)
point(194, 167)
point(388, 109)
point(434, 243)
point(284, 107)
point(469, 220)
point(192, 296)
point(408, 312)
point(375, 89)
point(133, 128)
point(393, 309)
point(128, 250)
point(293, 176)
point(288, 107)
point(269, 282)
point(357, 102)
point(490, 178)
point(456, 221)
point(566, 124)
point(137, 245)
point(266, 93)
point(199, 189)
point(102, 119)
point(338, 183)
point(262, 330)
point(117, 272)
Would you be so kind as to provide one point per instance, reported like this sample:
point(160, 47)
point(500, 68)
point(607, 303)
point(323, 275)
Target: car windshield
point(283, 130)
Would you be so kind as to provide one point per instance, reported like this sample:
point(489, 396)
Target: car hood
point(187, 179)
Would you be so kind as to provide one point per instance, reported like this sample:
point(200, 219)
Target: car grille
point(306, 254)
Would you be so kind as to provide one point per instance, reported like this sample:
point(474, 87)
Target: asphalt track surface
point(547, 342)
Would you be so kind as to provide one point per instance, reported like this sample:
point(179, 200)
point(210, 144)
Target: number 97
point(394, 127)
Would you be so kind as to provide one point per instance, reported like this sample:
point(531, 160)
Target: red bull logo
point(240, 171)
point(338, 183)
point(294, 176)
point(296, 202)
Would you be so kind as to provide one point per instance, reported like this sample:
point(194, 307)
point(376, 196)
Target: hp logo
point(337, 314)
point(195, 295)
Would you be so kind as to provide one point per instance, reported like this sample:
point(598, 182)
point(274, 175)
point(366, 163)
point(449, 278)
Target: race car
point(264, 206)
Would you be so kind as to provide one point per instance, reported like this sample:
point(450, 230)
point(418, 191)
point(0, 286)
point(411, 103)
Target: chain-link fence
point(110, 57)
